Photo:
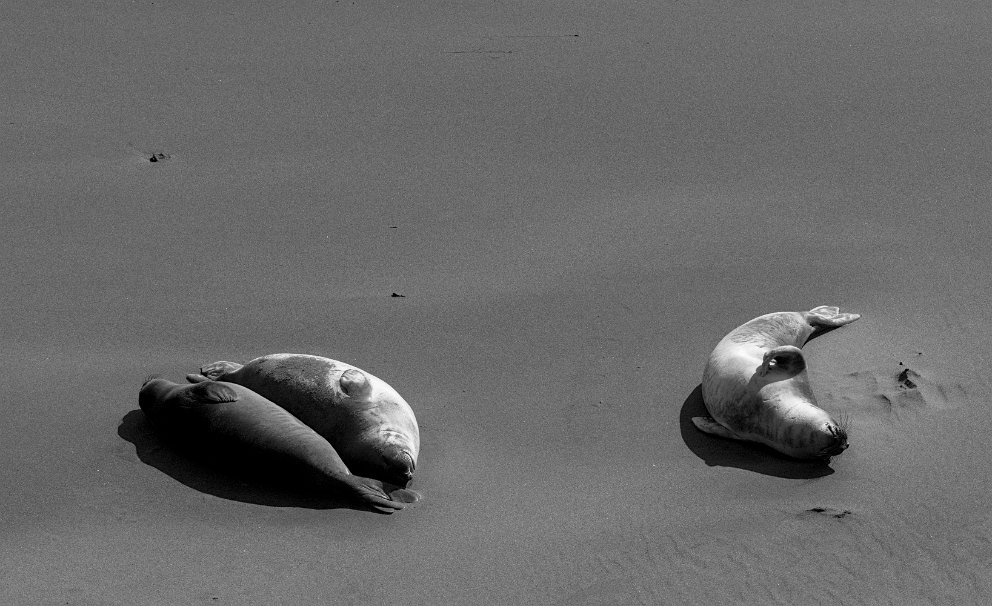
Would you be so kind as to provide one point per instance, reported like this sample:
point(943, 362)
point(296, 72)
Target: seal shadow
point(720, 452)
point(246, 479)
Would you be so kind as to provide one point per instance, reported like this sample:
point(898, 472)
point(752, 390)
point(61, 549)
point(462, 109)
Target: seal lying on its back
point(756, 388)
point(365, 420)
point(226, 414)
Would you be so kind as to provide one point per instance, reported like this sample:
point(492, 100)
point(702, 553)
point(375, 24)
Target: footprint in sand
point(896, 390)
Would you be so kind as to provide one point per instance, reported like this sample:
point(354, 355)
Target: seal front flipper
point(219, 369)
point(710, 426)
point(213, 392)
point(827, 316)
point(354, 383)
point(784, 361)
point(195, 378)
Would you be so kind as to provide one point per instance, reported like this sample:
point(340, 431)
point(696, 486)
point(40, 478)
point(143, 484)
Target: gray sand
point(578, 201)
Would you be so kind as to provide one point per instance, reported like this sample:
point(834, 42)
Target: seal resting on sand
point(756, 388)
point(364, 419)
point(222, 414)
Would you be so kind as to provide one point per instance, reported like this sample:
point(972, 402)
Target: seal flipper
point(354, 383)
point(218, 369)
point(212, 392)
point(829, 317)
point(710, 426)
point(787, 360)
point(373, 493)
point(195, 378)
point(405, 495)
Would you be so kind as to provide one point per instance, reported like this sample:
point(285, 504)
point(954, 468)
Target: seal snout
point(399, 466)
point(411, 466)
point(838, 441)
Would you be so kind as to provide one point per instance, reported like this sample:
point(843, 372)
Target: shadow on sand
point(718, 452)
point(242, 477)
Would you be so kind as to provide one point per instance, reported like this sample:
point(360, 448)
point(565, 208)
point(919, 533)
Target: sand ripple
point(816, 554)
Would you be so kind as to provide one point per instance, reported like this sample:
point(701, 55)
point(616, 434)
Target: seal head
point(392, 462)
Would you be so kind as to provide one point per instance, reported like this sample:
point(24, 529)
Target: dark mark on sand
point(831, 512)
point(904, 381)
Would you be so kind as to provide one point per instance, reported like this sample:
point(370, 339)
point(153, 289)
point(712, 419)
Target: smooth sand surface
point(578, 200)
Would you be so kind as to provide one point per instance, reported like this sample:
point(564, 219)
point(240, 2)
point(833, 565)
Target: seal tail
point(826, 316)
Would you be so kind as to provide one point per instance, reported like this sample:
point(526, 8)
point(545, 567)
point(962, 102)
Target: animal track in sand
point(896, 389)
point(905, 380)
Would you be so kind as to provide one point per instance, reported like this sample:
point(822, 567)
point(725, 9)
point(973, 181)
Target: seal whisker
point(843, 420)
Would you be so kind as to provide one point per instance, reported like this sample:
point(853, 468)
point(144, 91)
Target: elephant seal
point(756, 388)
point(221, 414)
point(368, 423)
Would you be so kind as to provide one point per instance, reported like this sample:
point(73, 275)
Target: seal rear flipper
point(829, 317)
point(405, 495)
point(710, 426)
point(373, 493)
point(218, 369)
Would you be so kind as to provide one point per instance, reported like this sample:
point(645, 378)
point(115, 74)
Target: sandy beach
point(576, 201)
